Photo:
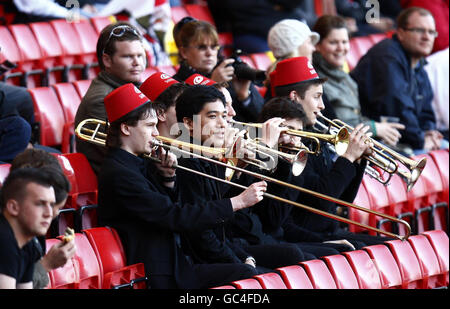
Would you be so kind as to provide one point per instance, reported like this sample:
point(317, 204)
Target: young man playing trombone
point(138, 198)
point(336, 177)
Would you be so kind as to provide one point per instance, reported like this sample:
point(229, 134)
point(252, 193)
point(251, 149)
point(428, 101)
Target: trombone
point(97, 137)
point(385, 158)
point(340, 140)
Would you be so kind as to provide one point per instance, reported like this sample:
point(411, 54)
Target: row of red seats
point(422, 262)
point(425, 206)
point(51, 51)
point(99, 263)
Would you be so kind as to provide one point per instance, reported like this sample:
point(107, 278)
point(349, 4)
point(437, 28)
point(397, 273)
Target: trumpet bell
point(342, 140)
point(416, 171)
point(299, 162)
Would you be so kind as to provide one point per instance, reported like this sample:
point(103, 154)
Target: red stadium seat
point(439, 242)
point(89, 272)
point(200, 12)
point(88, 38)
point(412, 277)
point(270, 281)
point(358, 48)
point(377, 37)
point(65, 277)
point(364, 268)
point(261, 60)
point(379, 201)
point(110, 254)
point(224, 287)
point(386, 265)
point(361, 199)
point(82, 86)
point(295, 277)
point(441, 158)
point(319, 274)
point(341, 271)
point(4, 171)
point(428, 261)
point(100, 22)
point(246, 284)
point(48, 112)
point(178, 13)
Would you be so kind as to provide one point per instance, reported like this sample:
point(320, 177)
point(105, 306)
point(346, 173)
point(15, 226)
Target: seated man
point(138, 198)
point(121, 57)
point(26, 212)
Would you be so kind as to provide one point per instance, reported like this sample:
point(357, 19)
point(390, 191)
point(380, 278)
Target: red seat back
point(69, 39)
point(439, 241)
point(364, 268)
point(200, 12)
point(261, 60)
point(69, 99)
point(89, 271)
point(100, 22)
point(441, 158)
point(408, 264)
point(361, 199)
point(65, 277)
point(270, 281)
point(9, 46)
point(341, 271)
point(82, 86)
point(318, 274)
point(26, 42)
point(178, 13)
point(386, 265)
point(295, 277)
point(249, 283)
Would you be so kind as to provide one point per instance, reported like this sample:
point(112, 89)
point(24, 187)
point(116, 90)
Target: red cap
point(294, 70)
point(155, 84)
point(198, 79)
point(123, 100)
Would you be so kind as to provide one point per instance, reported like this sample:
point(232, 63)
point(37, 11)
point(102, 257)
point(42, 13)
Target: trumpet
point(386, 158)
point(340, 140)
point(98, 137)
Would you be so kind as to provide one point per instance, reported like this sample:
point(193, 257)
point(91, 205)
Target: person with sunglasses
point(198, 46)
point(392, 81)
point(122, 59)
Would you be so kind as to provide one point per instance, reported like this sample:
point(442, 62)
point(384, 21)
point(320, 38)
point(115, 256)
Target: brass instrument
point(97, 137)
point(339, 140)
point(386, 158)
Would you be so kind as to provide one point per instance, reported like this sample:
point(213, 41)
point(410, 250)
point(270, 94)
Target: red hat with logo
point(198, 79)
point(123, 100)
point(292, 71)
point(155, 84)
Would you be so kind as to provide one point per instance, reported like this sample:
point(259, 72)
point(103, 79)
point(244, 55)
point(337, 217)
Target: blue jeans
point(15, 134)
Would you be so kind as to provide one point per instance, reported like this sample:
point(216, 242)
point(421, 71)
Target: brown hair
point(194, 31)
point(403, 17)
point(326, 23)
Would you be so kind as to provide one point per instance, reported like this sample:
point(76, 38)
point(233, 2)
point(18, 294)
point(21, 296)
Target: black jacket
point(148, 217)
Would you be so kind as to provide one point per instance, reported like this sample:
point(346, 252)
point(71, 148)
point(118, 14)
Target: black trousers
point(359, 240)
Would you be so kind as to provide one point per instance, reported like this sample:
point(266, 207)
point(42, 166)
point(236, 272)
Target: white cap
point(288, 34)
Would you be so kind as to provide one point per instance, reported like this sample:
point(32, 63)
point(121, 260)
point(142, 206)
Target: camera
point(243, 71)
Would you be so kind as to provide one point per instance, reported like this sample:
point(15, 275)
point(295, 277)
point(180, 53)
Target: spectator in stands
point(27, 198)
point(392, 80)
point(122, 60)
point(340, 89)
point(198, 46)
point(336, 177)
point(59, 254)
point(163, 91)
point(250, 21)
point(138, 198)
point(438, 73)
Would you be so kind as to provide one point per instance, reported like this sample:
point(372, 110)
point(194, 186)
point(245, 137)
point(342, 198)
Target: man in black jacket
point(139, 199)
point(335, 176)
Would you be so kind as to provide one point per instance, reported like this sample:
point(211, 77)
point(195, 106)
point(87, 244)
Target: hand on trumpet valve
point(252, 195)
point(360, 143)
point(166, 168)
point(271, 130)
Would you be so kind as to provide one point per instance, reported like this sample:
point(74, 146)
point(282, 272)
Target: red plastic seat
point(386, 265)
point(110, 254)
point(295, 277)
point(49, 114)
point(178, 13)
point(224, 287)
point(270, 281)
point(358, 48)
point(88, 39)
point(200, 12)
point(89, 273)
point(246, 284)
point(441, 158)
point(4, 171)
point(379, 201)
point(439, 242)
point(261, 60)
point(398, 199)
point(11, 52)
point(65, 277)
point(428, 261)
point(361, 199)
point(412, 277)
point(364, 268)
point(319, 274)
point(341, 271)
point(82, 86)
point(100, 22)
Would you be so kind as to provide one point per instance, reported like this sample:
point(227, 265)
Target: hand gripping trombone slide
point(99, 138)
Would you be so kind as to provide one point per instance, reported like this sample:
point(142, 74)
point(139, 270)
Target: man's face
point(128, 62)
point(416, 39)
point(142, 136)
point(288, 139)
point(36, 210)
point(228, 104)
point(312, 103)
point(213, 121)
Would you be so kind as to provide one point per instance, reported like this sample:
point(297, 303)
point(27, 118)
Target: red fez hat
point(198, 79)
point(293, 71)
point(155, 84)
point(273, 82)
point(123, 100)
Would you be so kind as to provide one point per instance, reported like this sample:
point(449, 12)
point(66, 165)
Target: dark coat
point(148, 217)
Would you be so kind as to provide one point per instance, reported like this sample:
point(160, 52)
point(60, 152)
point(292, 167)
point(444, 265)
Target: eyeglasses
point(204, 47)
point(422, 31)
point(118, 32)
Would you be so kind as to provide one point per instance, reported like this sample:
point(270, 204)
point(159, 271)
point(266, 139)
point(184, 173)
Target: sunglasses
point(118, 32)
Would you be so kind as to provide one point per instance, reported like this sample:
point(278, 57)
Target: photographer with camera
point(198, 45)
